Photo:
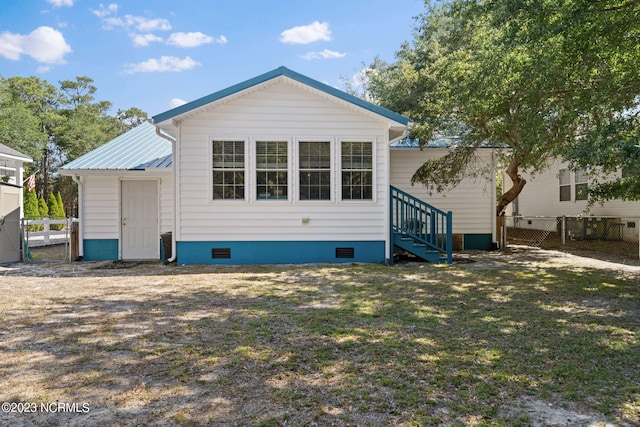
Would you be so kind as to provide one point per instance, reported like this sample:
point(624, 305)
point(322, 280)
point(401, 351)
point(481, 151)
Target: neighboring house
point(277, 169)
point(11, 176)
point(559, 191)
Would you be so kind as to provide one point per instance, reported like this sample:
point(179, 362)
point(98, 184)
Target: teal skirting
point(100, 249)
point(276, 252)
point(478, 241)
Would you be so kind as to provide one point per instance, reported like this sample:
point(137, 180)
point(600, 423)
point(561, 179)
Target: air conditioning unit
point(592, 228)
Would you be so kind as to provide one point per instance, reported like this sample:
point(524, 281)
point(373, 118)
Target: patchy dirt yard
point(529, 338)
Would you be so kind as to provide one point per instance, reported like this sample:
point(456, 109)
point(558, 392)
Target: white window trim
point(576, 183)
point(247, 190)
point(569, 184)
point(254, 170)
point(374, 177)
point(333, 194)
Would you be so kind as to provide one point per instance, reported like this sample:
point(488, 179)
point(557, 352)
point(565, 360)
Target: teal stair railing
point(427, 226)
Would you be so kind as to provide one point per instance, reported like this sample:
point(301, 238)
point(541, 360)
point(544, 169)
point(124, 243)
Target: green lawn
point(409, 344)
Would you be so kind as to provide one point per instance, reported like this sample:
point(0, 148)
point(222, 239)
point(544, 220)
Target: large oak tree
point(538, 79)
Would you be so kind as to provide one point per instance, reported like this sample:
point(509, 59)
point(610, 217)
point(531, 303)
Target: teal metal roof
point(434, 143)
point(281, 71)
point(14, 153)
point(138, 149)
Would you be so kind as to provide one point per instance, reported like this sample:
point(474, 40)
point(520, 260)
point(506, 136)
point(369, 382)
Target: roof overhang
point(15, 158)
point(169, 120)
point(114, 172)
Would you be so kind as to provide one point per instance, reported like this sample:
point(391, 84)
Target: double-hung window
point(357, 170)
point(565, 185)
point(272, 176)
point(315, 170)
point(228, 170)
point(581, 185)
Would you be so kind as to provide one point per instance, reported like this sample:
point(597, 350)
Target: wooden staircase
point(421, 229)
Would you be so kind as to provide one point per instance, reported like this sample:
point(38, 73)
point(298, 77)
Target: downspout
point(78, 181)
point(492, 202)
point(174, 253)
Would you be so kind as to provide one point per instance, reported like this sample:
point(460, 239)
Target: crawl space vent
point(220, 253)
point(344, 253)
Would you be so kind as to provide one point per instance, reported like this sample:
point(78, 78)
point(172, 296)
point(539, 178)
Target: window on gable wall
point(228, 170)
point(315, 170)
point(581, 184)
point(272, 170)
point(565, 185)
point(357, 170)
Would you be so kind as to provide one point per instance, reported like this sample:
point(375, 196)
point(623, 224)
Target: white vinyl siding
point(101, 216)
point(540, 198)
point(471, 202)
point(281, 110)
point(101, 203)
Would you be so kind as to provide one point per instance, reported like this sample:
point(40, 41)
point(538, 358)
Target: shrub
point(31, 209)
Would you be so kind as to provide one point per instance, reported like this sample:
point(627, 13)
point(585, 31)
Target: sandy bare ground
point(147, 344)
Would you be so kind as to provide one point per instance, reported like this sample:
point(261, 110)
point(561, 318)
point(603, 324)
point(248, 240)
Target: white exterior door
point(139, 222)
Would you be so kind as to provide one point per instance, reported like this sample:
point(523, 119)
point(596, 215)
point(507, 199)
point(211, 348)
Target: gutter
point(77, 180)
point(174, 236)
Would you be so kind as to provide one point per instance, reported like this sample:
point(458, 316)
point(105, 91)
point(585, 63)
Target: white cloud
point(43, 69)
point(105, 11)
point(140, 23)
point(44, 44)
point(141, 40)
point(176, 102)
point(361, 78)
point(193, 39)
point(164, 64)
point(60, 3)
point(306, 34)
point(325, 54)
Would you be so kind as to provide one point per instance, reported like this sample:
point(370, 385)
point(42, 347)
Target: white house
point(11, 176)
point(559, 191)
point(280, 168)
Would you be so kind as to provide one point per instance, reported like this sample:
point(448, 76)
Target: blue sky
point(156, 54)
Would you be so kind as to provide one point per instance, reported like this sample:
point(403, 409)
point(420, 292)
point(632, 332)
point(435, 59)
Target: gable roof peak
point(270, 75)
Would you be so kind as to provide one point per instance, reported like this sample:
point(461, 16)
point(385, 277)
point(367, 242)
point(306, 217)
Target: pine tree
point(52, 206)
point(59, 213)
point(54, 212)
point(43, 209)
point(31, 209)
point(61, 205)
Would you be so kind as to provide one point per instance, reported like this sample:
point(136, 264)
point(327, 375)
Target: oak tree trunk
point(516, 188)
